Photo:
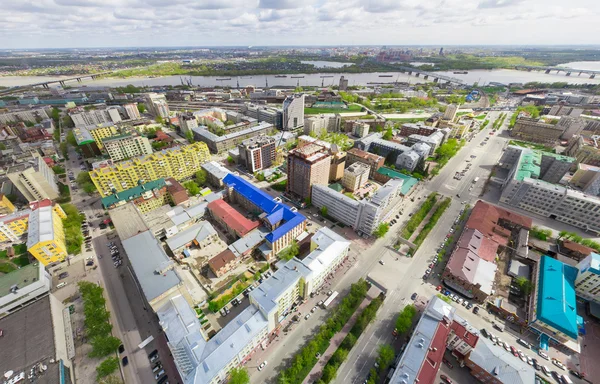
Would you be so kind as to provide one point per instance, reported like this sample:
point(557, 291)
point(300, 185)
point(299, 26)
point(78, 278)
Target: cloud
point(498, 3)
point(280, 4)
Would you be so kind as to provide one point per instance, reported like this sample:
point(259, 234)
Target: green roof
point(116, 137)
point(336, 187)
point(21, 277)
point(529, 164)
point(409, 181)
point(132, 193)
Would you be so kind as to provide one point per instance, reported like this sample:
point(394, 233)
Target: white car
point(543, 355)
point(546, 370)
point(559, 364)
point(262, 365)
point(307, 316)
point(313, 310)
point(522, 356)
point(381, 262)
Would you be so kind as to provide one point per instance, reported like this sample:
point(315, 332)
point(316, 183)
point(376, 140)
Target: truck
point(330, 299)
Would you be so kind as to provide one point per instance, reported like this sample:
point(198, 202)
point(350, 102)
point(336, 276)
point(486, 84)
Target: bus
point(330, 299)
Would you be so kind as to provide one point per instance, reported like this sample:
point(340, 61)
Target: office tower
point(307, 166)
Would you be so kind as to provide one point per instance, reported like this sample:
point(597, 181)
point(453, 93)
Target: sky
point(128, 23)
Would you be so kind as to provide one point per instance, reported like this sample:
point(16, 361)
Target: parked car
point(159, 374)
point(559, 364)
point(445, 379)
point(125, 361)
point(449, 364)
point(524, 343)
point(543, 355)
point(414, 296)
point(576, 374)
point(262, 365)
point(546, 370)
point(476, 310)
point(63, 275)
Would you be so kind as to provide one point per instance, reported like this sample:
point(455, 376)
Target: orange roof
point(575, 247)
point(486, 219)
point(231, 217)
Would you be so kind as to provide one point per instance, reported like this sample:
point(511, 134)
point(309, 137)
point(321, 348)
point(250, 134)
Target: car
point(447, 293)
point(163, 380)
point(506, 347)
point(543, 355)
point(514, 351)
point(522, 356)
point(320, 303)
point(524, 343)
point(529, 360)
point(159, 374)
point(438, 288)
point(460, 300)
point(484, 332)
point(121, 348)
point(262, 365)
point(536, 364)
point(63, 275)
point(313, 309)
point(445, 379)
point(556, 376)
point(576, 374)
point(449, 364)
point(464, 303)
point(476, 310)
point(559, 364)
point(381, 262)
point(469, 305)
point(154, 358)
point(307, 316)
point(545, 370)
point(414, 296)
point(125, 361)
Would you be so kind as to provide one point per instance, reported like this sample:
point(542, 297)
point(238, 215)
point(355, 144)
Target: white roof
point(198, 231)
point(40, 227)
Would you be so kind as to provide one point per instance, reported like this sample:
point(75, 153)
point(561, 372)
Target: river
point(482, 77)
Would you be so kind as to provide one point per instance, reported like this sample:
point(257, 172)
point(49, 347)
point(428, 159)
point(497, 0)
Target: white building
point(360, 129)
point(293, 112)
point(132, 111)
point(28, 115)
point(23, 286)
point(356, 176)
point(85, 118)
point(126, 146)
point(324, 123)
point(408, 160)
point(450, 113)
point(587, 283)
point(157, 104)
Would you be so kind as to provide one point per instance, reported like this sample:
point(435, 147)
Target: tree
point(141, 107)
point(381, 230)
point(192, 188)
point(190, 137)
point(562, 234)
point(102, 346)
point(239, 375)
point(71, 138)
point(524, 285)
point(2, 146)
point(386, 356)
point(159, 119)
point(229, 159)
point(290, 252)
point(201, 177)
point(388, 134)
point(107, 367)
point(324, 211)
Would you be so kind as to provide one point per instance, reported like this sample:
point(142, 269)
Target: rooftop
point(128, 221)
point(198, 232)
point(215, 169)
point(152, 266)
point(20, 278)
point(40, 227)
point(232, 217)
point(488, 220)
point(82, 136)
point(132, 193)
point(409, 181)
point(365, 155)
point(556, 305)
point(501, 363)
point(222, 259)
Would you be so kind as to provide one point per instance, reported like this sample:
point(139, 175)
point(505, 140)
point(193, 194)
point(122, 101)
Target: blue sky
point(108, 23)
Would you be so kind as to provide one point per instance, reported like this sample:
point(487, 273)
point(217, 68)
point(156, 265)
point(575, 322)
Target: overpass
point(46, 84)
point(436, 77)
point(567, 71)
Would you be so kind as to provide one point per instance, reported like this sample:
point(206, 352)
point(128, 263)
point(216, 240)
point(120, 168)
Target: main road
point(398, 274)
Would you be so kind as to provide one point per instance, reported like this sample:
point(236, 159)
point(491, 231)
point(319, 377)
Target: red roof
point(39, 204)
point(463, 333)
point(486, 219)
point(435, 354)
point(231, 217)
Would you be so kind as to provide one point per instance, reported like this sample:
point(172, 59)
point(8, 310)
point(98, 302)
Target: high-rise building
point(343, 84)
point(572, 126)
point(355, 176)
point(132, 111)
point(307, 166)
point(97, 132)
point(14, 226)
point(323, 123)
point(587, 178)
point(187, 122)
point(45, 234)
point(126, 146)
point(35, 181)
point(178, 163)
point(587, 283)
point(157, 105)
point(374, 161)
point(84, 118)
point(293, 112)
point(450, 113)
point(6, 207)
point(257, 153)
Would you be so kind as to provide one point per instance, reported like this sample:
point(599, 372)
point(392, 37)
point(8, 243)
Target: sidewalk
point(335, 342)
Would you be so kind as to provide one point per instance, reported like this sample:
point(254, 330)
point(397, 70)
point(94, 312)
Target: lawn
point(530, 145)
point(316, 111)
point(7, 267)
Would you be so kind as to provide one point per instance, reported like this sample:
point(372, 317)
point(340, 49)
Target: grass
point(526, 144)
point(316, 111)
point(7, 267)
point(21, 261)
point(3, 254)
point(439, 211)
point(445, 298)
point(20, 249)
point(480, 117)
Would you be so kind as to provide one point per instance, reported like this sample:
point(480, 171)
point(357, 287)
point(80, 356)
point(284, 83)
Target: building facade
point(6, 207)
point(257, 153)
point(587, 283)
point(45, 233)
point(157, 105)
point(373, 161)
point(536, 131)
point(587, 178)
point(83, 118)
point(307, 166)
point(293, 112)
point(36, 182)
point(126, 146)
point(14, 226)
point(356, 176)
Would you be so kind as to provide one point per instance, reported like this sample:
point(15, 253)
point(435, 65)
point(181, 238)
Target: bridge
point(567, 71)
point(46, 84)
point(436, 77)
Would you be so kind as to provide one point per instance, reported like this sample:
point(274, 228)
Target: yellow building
point(45, 235)
point(178, 163)
point(14, 226)
point(102, 131)
point(6, 207)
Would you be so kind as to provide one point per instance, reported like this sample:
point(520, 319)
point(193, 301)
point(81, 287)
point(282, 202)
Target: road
point(400, 275)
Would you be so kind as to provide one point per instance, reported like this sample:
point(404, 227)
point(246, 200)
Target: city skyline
point(145, 23)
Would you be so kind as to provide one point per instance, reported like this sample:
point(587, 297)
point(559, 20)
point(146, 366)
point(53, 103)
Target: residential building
point(227, 217)
point(497, 224)
point(6, 207)
point(525, 162)
point(283, 223)
point(146, 197)
point(587, 178)
point(14, 226)
point(390, 150)
point(223, 262)
point(489, 364)
point(38, 342)
point(257, 153)
point(45, 233)
point(157, 105)
point(23, 286)
point(336, 169)
point(450, 112)
point(187, 122)
point(356, 176)
point(322, 124)
point(536, 131)
point(408, 129)
point(553, 306)
point(27, 115)
point(265, 114)
point(35, 180)
point(176, 191)
point(408, 160)
point(584, 150)
point(307, 166)
point(131, 111)
point(215, 173)
point(373, 161)
point(86, 143)
point(101, 132)
point(198, 235)
point(433, 141)
point(126, 146)
point(360, 129)
point(587, 283)
point(293, 112)
point(564, 110)
point(218, 144)
point(178, 163)
point(84, 118)
point(571, 126)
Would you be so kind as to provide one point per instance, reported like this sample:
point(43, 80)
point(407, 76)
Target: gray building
point(269, 115)
point(219, 144)
point(525, 162)
point(434, 140)
point(257, 153)
point(408, 160)
point(293, 112)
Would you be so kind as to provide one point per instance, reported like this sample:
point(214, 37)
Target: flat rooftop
point(127, 221)
point(21, 278)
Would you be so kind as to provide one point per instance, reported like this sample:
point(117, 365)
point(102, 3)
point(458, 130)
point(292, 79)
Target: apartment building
point(97, 132)
point(14, 226)
point(323, 123)
point(355, 176)
point(157, 105)
point(126, 146)
point(187, 122)
point(218, 144)
point(262, 113)
point(257, 153)
point(178, 163)
point(6, 207)
point(293, 112)
point(587, 283)
point(146, 197)
point(228, 218)
point(35, 180)
point(131, 111)
point(587, 178)
point(450, 112)
point(215, 173)
point(45, 233)
point(585, 150)
point(373, 161)
point(390, 150)
point(27, 115)
point(307, 166)
point(536, 131)
point(571, 126)
point(360, 129)
point(525, 162)
point(84, 118)
point(408, 129)
point(564, 110)
point(336, 169)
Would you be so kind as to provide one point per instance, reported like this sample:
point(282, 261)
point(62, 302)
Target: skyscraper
point(157, 104)
point(307, 166)
point(293, 112)
point(257, 153)
point(450, 113)
point(343, 84)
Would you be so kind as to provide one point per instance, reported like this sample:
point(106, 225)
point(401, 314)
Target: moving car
point(559, 364)
point(262, 365)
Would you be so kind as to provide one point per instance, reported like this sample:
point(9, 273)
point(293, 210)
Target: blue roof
point(556, 304)
point(275, 211)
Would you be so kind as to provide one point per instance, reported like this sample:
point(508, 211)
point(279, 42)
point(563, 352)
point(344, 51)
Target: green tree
point(385, 357)
point(381, 230)
point(71, 138)
point(190, 137)
point(201, 176)
point(67, 122)
point(324, 211)
point(239, 375)
point(2, 146)
point(290, 251)
point(562, 234)
point(141, 107)
point(388, 134)
point(107, 367)
point(159, 119)
point(102, 346)
point(192, 188)
point(524, 285)
point(230, 160)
